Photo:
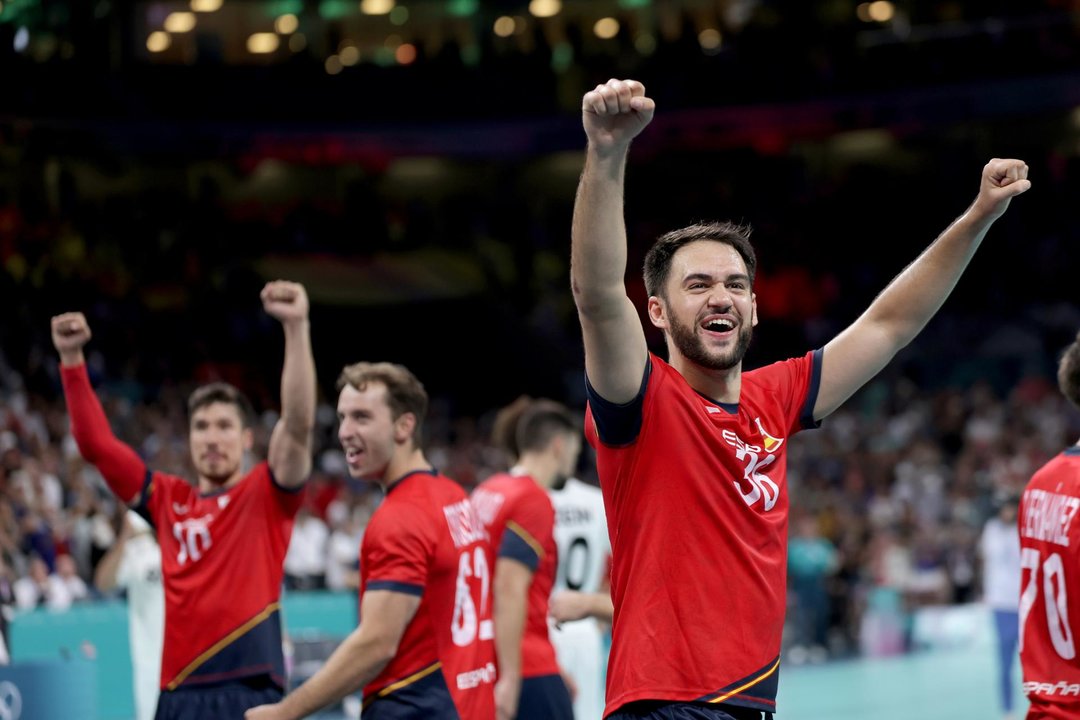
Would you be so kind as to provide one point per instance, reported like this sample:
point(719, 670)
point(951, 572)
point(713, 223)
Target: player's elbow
point(384, 648)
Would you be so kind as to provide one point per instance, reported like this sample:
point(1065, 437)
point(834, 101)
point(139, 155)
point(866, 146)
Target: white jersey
point(1000, 549)
point(140, 574)
point(581, 534)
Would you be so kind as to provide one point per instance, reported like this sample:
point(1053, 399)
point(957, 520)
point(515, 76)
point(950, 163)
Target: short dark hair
point(404, 392)
point(658, 259)
point(222, 392)
point(541, 422)
point(1069, 372)
point(504, 426)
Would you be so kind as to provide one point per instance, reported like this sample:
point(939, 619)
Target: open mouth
point(719, 325)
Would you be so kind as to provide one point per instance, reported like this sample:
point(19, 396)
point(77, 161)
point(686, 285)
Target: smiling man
point(424, 649)
point(691, 452)
point(222, 648)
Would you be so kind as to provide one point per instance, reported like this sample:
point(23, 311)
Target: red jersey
point(697, 505)
point(222, 554)
point(424, 539)
point(1050, 588)
point(222, 559)
point(520, 519)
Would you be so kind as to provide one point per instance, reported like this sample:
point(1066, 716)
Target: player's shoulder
point(173, 486)
point(423, 492)
point(1061, 470)
point(768, 375)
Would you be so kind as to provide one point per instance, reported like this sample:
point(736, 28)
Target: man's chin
point(215, 475)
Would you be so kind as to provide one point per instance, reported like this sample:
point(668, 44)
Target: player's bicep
point(385, 614)
point(849, 361)
point(615, 350)
point(288, 457)
point(512, 579)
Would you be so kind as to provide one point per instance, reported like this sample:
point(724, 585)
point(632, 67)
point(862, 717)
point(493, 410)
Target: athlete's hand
point(614, 113)
point(569, 605)
point(568, 680)
point(1002, 180)
point(286, 301)
point(507, 695)
point(264, 712)
point(70, 332)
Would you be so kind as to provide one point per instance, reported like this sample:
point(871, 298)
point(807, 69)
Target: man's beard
point(693, 348)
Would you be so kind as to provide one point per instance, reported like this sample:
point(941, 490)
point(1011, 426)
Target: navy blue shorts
point(545, 698)
point(662, 710)
point(215, 702)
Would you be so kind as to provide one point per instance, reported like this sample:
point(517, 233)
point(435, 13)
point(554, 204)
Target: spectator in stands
point(41, 588)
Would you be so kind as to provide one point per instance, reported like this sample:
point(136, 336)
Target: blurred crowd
point(889, 498)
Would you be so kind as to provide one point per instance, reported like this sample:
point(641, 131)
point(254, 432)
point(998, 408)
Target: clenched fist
point(70, 332)
point(286, 301)
point(614, 113)
point(1002, 180)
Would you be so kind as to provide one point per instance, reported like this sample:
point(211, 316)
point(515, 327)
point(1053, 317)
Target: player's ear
point(657, 312)
point(753, 309)
point(404, 427)
point(247, 437)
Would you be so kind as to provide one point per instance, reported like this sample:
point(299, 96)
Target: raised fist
point(70, 332)
point(614, 113)
point(286, 301)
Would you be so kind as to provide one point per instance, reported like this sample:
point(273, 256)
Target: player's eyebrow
point(708, 277)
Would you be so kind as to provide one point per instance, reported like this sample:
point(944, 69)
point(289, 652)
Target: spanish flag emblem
point(771, 443)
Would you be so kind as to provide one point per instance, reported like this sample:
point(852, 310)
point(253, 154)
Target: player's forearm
point(354, 664)
point(913, 297)
point(601, 607)
point(298, 382)
point(598, 235)
point(122, 469)
point(107, 568)
point(72, 358)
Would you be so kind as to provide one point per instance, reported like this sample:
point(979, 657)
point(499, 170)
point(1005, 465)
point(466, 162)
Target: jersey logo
point(180, 509)
point(754, 485)
point(223, 502)
point(771, 443)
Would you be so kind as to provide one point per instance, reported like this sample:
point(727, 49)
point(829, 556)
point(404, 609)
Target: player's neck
point(404, 462)
point(719, 385)
point(540, 467)
point(210, 485)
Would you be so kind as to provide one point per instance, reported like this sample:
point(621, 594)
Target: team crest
point(772, 444)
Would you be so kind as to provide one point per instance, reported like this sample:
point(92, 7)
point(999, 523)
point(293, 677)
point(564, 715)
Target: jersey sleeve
point(794, 385)
point(285, 502)
point(613, 424)
point(122, 468)
point(529, 519)
point(396, 551)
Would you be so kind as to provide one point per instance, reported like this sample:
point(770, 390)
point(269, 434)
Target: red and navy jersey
point(1050, 587)
point(425, 540)
point(222, 557)
point(520, 519)
point(697, 504)
point(222, 554)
